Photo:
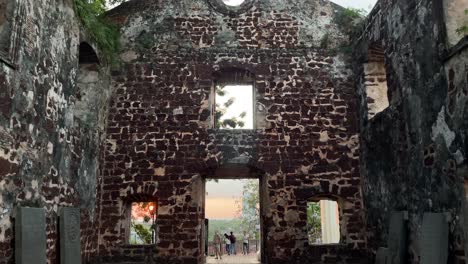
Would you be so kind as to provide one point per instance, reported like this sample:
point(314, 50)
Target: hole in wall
point(232, 208)
point(375, 81)
point(234, 107)
point(143, 220)
point(233, 2)
point(323, 222)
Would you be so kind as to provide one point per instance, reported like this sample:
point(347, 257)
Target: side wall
point(413, 154)
point(49, 151)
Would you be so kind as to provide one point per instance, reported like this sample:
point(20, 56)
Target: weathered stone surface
point(30, 236)
point(413, 154)
point(49, 148)
point(305, 144)
point(323, 128)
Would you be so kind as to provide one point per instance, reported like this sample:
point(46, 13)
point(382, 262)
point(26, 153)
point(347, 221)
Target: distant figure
point(217, 244)
point(233, 239)
point(245, 244)
point(227, 240)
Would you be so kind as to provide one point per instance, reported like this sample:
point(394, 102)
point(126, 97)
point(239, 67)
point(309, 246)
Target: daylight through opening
point(143, 223)
point(232, 212)
point(233, 2)
point(234, 107)
point(376, 82)
point(323, 222)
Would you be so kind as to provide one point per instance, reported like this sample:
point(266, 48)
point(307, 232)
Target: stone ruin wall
point(159, 141)
point(49, 149)
point(414, 152)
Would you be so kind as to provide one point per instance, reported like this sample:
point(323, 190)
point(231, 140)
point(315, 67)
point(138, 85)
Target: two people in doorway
point(230, 241)
point(230, 244)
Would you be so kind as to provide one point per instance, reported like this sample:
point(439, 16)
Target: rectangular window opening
point(143, 223)
point(234, 107)
point(323, 222)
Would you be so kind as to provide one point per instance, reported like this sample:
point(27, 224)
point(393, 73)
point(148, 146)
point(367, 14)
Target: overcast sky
point(221, 198)
point(361, 4)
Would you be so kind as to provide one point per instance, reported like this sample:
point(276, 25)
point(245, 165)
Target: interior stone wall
point(413, 154)
point(48, 152)
point(160, 144)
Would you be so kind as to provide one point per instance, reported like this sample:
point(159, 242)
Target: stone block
point(30, 236)
point(70, 239)
point(434, 239)
point(397, 238)
point(381, 257)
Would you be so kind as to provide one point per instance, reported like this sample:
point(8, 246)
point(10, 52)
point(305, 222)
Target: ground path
point(238, 259)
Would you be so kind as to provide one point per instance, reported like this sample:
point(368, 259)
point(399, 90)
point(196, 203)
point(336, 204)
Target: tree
point(222, 109)
point(140, 222)
point(249, 207)
point(463, 30)
point(314, 224)
point(105, 34)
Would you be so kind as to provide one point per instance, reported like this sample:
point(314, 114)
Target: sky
point(361, 4)
point(243, 102)
point(221, 198)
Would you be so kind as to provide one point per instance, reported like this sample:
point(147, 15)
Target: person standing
point(217, 244)
point(233, 239)
point(245, 244)
point(227, 240)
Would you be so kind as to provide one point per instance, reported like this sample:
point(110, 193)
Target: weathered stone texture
point(160, 146)
point(48, 155)
point(413, 154)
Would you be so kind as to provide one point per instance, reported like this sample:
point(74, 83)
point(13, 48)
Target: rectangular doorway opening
point(232, 225)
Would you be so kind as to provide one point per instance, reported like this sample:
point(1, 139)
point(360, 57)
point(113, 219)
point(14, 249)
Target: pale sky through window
point(233, 2)
point(243, 102)
point(221, 198)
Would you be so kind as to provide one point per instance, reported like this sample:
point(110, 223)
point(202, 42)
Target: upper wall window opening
point(234, 107)
point(233, 2)
point(323, 222)
point(143, 223)
point(375, 82)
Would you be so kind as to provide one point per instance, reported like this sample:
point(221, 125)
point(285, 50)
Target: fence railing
point(254, 246)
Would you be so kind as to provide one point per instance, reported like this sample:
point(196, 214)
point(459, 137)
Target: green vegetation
point(249, 209)
point(225, 226)
point(102, 31)
point(143, 233)
point(314, 224)
point(463, 30)
point(222, 109)
point(350, 20)
point(141, 226)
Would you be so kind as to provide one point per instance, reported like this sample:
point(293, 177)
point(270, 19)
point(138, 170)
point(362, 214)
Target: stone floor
point(238, 259)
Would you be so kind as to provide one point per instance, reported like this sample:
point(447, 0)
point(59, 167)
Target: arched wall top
point(221, 7)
